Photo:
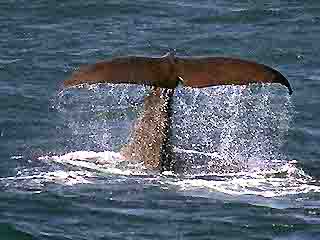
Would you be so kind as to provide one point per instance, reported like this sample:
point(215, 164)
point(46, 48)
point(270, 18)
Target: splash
point(279, 182)
point(74, 168)
point(283, 180)
point(107, 162)
point(233, 127)
point(228, 139)
point(243, 130)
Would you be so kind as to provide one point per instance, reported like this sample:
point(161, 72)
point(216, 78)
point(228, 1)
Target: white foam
point(69, 177)
point(16, 157)
point(281, 180)
point(103, 157)
point(286, 180)
point(106, 162)
point(59, 176)
point(208, 154)
point(273, 182)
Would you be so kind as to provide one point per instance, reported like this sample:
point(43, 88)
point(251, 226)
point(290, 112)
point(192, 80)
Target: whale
point(150, 135)
point(149, 139)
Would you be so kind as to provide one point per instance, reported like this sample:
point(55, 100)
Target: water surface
point(250, 154)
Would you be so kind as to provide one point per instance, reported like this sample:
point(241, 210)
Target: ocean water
point(250, 154)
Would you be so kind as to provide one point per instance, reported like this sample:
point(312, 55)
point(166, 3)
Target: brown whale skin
point(167, 71)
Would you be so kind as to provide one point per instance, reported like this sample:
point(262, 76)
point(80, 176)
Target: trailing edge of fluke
point(169, 70)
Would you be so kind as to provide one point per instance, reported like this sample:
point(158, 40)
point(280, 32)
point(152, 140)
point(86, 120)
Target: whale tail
point(150, 134)
point(167, 71)
point(149, 138)
point(212, 71)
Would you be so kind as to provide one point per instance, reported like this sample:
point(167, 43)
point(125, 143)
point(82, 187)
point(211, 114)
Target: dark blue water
point(251, 155)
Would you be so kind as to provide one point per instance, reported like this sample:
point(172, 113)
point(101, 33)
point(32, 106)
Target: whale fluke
point(168, 71)
point(211, 71)
point(158, 72)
